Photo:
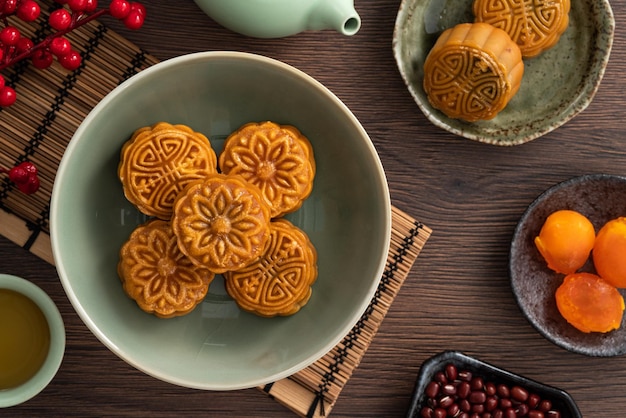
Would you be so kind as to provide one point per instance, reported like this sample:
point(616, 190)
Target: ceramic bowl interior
point(557, 85)
point(347, 217)
point(29, 389)
point(600, 198)
point(560, 399)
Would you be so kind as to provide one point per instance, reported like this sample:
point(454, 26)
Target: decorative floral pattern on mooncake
point(157, 275)
point(278, 159)
point(221, 222)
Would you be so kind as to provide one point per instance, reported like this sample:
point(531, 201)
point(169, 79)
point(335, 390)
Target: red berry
point(60, 19)
point(31, 185)
point(28, 11)
point(7, 96)
point(77, 5)
point(70, 61)
point(18, 175)
point(119, 9)
point(9, 7)
point(138, 7)
point(91, 6)
point(2, 81)
point(42, 59)
point(136, 16)
point(9, 35)
point(60, 46)
point(23, 45)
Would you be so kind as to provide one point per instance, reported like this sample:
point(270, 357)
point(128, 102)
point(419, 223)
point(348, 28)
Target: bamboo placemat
point(51, 105)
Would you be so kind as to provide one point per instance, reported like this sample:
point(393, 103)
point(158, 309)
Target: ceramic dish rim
point(577, 105)
point(164, 66)
point(56, 352)
point(516, 234)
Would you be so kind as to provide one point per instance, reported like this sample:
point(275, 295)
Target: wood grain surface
point(458, 294)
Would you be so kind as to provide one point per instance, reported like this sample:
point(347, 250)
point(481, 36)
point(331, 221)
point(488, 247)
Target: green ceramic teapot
point(280, 18)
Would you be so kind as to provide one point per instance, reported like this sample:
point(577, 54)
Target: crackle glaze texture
point(600, 198)
point(557, 85)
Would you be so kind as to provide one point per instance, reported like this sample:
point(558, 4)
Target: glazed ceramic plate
point(600, 198)
point(557, 85)
point(560, 399)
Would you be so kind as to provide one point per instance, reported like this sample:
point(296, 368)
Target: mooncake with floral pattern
point(221, 222)
point(157, 275)
point(278, 159)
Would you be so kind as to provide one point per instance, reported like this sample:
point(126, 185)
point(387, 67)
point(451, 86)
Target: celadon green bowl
point(217, 346)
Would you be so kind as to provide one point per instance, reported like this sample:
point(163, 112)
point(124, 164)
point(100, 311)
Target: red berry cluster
point(73, 14)
point(24, 176)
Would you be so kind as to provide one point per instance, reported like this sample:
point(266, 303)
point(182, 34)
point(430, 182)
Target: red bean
point(519, 393)
point(460, 394)
point(545, 405)
point(446, 401)
point(533, 400)
point(463, 390)
point(451, 372)
point(477, 397)
point(477, 383)
point(448, 389)
point(432, 390)
point(503, 391)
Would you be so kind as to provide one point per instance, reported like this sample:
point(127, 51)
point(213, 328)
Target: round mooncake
point(534, 25)
point(221, 222)
point(158, 162)
point(473, 71)
point(279, 283)
point(278, 159)
point(157, 275)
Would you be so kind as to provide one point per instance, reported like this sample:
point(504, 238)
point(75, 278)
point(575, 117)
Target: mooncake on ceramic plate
point(535, 26)
point(221, 222)
point(157, 275)
point(278, 159)
point(158, 161)
point(472, 71)
point(278, 283)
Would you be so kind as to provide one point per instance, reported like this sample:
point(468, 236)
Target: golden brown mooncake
point(158, 162)
point(534, 25)
point(157, 275)
point(221, 222)
point(473, 71)
point(279, 283)
point(278, 159)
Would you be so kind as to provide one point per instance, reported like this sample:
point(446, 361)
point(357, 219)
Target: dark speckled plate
point(557, 85)
point(599, 197)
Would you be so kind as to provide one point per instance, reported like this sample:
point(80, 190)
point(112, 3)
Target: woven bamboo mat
point(51, 105)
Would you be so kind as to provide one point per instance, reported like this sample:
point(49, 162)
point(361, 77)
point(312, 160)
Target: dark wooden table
point(458, 294)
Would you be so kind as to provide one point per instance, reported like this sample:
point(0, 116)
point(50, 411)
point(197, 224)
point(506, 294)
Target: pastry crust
point(473, 71)
point(279, 283)
point(278, 159)
point(158, 162)
point(221, 222)
point(534, 25)
point(157, 275)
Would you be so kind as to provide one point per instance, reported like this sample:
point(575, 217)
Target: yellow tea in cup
point(24, 339)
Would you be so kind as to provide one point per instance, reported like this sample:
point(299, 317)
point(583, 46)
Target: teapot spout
point(335, 14)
